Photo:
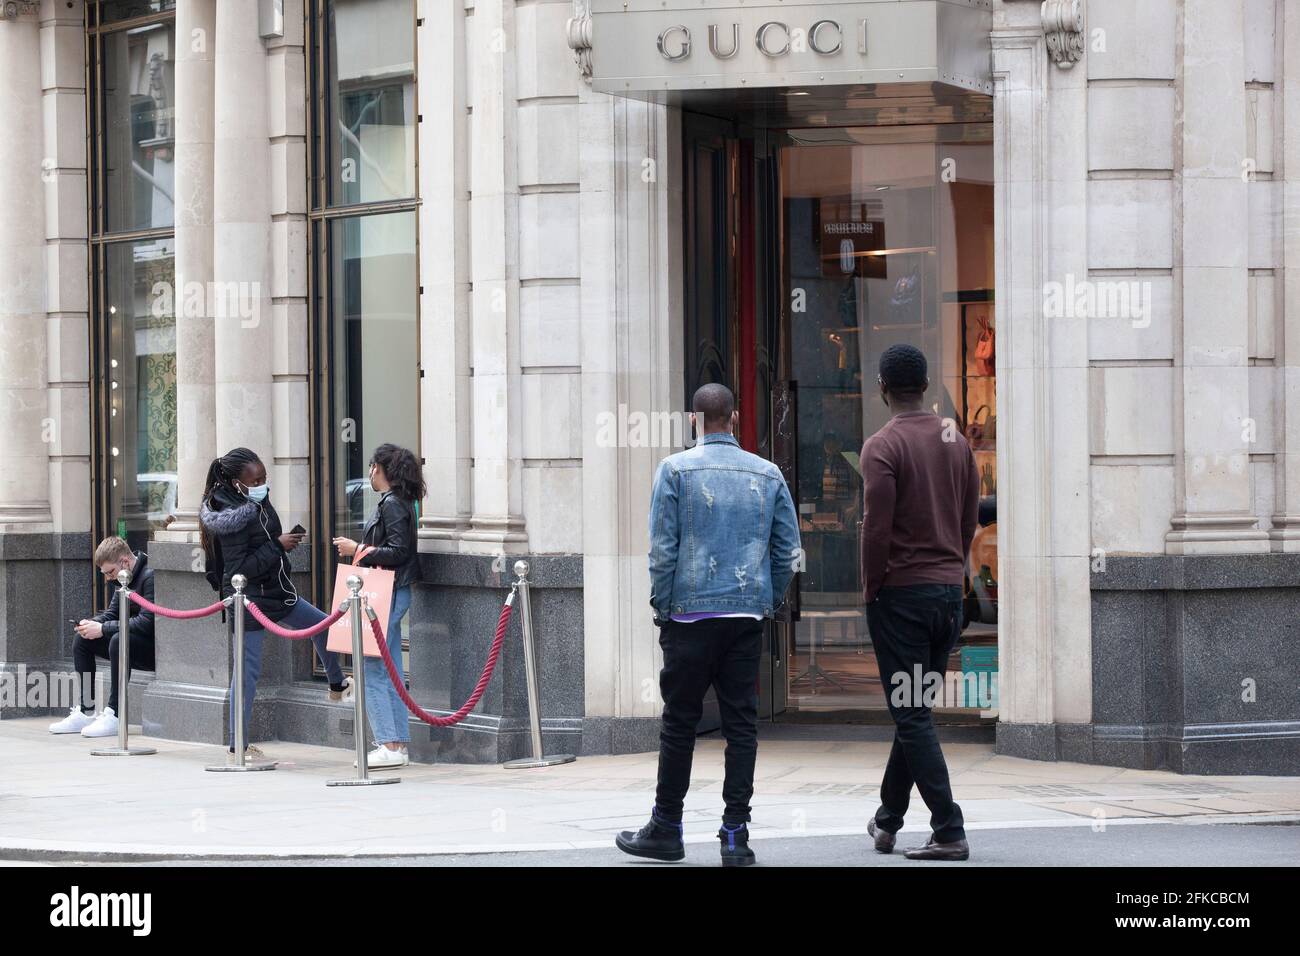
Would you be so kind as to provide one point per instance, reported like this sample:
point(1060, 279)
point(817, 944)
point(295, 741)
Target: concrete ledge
point(1197, 572)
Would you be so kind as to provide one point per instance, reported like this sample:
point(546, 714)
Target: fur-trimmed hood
point(228, 516)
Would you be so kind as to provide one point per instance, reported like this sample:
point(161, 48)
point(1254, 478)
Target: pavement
point(60, 804)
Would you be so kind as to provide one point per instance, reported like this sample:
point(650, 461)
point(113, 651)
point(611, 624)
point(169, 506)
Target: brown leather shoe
point(884, 841)
point(957, 850)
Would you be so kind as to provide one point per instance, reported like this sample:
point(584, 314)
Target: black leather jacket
point(391, 531)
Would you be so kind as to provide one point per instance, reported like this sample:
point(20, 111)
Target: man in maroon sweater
point(921, 497)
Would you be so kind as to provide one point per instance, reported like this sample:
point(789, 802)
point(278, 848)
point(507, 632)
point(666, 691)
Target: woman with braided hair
point(241, 534)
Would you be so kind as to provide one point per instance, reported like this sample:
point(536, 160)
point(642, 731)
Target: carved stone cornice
point(13, 9)
point(1063, 28)
point(578, 28)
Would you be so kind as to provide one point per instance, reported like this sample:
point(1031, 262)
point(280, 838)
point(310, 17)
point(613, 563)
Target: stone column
point(63, 79)
point(24, 468)
point(497, 523)
point(1286, 522)
point(196, 22)
point(444, 275)
point(241, 228)
point(631, 340)
point(1213, 506)
point(1041, 231)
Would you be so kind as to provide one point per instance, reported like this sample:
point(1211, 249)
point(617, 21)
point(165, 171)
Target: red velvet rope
point(312, 631)
point(481, 686)
point(168, 612)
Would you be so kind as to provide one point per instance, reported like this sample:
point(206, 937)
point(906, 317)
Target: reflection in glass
point(111, 11)
point(883, 250)
point(375, 354)
point(139, 135)
point(142, 386)
point(371, 89)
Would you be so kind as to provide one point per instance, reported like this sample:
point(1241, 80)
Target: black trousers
point(913, 629)
point(84, 654)
point(722, 653)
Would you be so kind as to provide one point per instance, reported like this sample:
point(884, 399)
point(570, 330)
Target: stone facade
point(1150, 464)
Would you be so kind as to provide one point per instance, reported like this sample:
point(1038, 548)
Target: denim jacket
point(723, 532)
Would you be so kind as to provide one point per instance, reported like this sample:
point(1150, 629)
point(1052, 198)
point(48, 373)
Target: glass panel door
point(887, 238)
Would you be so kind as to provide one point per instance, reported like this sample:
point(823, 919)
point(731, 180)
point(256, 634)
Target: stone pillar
point(63, 78)
point(1213, 506)
point(241, 229)
point(1039, 555)
point(196, 22)
point(631, 340)
point(497, 523)
point(24, 469)
point(1286, 522)
point(444, 276)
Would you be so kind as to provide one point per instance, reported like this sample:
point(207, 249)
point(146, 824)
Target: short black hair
point(903, 370)
point(714, 403)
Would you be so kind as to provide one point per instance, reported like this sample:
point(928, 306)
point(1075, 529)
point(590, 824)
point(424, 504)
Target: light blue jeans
point(384, 708)
point(301, 615)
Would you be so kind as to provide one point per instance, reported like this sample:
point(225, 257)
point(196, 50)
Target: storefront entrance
point(808, 251)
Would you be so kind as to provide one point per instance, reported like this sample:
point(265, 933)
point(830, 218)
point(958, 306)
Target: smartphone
point(297, 529)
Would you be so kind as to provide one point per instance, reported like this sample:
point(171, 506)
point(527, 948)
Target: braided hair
point(222, 473)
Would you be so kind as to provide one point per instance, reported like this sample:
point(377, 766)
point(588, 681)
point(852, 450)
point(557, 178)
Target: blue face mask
point(259, 492)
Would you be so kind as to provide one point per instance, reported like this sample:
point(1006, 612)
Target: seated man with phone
point(99, 637)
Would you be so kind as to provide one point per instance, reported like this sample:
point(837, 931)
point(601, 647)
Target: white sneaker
point(381, 758)
point(74, 723)
point(105, 725)
point(251, 755)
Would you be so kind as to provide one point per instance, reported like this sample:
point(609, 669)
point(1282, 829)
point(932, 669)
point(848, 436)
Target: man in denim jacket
point(724, 540)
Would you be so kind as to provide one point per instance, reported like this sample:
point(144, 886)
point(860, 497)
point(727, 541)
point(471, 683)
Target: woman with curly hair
point(389, 541)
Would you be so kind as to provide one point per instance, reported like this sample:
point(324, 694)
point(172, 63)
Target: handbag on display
point(982, 433)
point(984, 364)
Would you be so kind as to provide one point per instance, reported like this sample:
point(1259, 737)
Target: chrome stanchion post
point(363, 777)
point(530, 670)
point(238, 582)
point(123, 673)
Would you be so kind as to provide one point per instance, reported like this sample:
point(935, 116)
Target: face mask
point(259, 492)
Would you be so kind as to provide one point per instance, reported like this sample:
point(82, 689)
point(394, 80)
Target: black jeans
point(914, 629)
point(723, 653)
point(85, 652)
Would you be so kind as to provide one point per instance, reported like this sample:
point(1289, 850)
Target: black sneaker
point(735, 845)
point(657, 840)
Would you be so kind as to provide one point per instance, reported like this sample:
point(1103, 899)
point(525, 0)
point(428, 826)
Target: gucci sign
point(772, 39)
point(664, 50)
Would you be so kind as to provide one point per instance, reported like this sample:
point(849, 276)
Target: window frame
point(321, 215)
point(99, 240)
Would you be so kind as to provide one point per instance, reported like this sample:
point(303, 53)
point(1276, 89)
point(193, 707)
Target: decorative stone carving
point(13, 9)
point(579, 31)
point(1063, 28)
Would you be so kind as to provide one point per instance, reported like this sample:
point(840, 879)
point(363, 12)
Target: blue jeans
point(301, 615)
point(387, 713)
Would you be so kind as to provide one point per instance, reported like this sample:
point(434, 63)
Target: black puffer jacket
point(245, 539)
point(391, 532)
point(141, 621)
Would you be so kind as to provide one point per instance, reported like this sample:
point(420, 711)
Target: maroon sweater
point(921, 498)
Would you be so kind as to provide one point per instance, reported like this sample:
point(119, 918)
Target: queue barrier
point(356, 606)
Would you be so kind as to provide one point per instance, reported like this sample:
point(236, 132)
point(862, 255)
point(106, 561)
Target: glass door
point(731, 293)
point(886, 237)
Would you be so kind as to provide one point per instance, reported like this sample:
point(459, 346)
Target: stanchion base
point(525, 763)
point(119, 752)
point(246, 768)
point(354, 782)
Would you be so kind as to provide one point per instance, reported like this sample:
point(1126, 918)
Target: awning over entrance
point(675, 50)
